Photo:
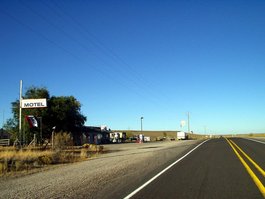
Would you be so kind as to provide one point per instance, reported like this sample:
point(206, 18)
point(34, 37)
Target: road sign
point(34, 103)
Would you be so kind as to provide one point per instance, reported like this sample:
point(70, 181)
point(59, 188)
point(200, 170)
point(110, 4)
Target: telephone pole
point(188, 114)
point(142, 123)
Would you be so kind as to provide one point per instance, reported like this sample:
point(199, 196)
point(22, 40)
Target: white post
point(142, 123)
point(53, 139)
point(188, 122)
point(53, 129)
point(35, 140)
point(20, 112)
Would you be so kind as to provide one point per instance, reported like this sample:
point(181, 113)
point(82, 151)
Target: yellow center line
point(252, 161)
point(250, 172)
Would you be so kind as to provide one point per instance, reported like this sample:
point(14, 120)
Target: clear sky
point(124, 60)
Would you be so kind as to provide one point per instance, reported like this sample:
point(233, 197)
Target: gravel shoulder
point(111, 175)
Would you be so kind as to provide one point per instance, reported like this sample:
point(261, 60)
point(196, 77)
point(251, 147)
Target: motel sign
point(34, 103)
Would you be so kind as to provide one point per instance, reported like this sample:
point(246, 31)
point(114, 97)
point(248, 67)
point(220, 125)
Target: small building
point(95, 135)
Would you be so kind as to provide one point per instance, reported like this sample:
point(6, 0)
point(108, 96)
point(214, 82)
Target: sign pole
point(188, 122)
point(20, 111)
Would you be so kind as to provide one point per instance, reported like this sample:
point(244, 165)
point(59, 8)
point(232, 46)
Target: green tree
point(64, 112)
point(10, 127)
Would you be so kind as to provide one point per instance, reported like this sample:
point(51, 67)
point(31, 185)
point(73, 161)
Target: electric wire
point(111, 53)
point(127, 69)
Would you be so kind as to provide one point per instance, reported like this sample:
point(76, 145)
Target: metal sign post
point(28, 103)
point(20, 112)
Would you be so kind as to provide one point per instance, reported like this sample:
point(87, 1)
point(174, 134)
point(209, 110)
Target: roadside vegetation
point(62, 114)
point(14, 160)
point(49, 142)
point(252, 135)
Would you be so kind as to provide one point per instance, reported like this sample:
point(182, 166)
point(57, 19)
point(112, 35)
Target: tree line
point(62, 114)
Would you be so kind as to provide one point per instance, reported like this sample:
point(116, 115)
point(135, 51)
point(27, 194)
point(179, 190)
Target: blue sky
point(124, 60)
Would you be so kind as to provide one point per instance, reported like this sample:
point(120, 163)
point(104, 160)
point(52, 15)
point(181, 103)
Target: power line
point(141, 84)
point(109, 52)
point(43, 36)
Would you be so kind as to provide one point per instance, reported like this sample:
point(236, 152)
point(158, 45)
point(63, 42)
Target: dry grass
point(13, 160)
point(63, 151)
point(259, 135)
point(251, 135)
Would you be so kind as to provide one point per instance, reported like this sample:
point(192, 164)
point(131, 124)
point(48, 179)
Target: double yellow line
point(256, 180)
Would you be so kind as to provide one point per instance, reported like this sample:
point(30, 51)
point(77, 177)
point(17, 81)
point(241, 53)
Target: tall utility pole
point(20, 111)
point(188, 114)
point(141, 123)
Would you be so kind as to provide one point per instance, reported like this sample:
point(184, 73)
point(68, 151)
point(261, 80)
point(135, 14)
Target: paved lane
point(254, 154)
point(211, 171)
point(256, 150)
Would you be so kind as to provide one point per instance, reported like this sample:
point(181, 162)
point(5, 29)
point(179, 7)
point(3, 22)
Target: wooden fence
point(4, 142)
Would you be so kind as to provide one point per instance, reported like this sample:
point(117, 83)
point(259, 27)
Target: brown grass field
point(13, 160)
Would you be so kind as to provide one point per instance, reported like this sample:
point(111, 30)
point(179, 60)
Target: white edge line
point(255, 140)
point(161, 172)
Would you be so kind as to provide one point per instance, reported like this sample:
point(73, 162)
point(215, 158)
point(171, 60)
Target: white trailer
point(182, 135)
point(147, 138)
point(117, 137)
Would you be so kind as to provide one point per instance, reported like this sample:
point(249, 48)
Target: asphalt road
point(110, 175)
point(213, 170)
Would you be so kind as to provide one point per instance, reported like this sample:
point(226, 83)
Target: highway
point(219, 168)
point(215, 168)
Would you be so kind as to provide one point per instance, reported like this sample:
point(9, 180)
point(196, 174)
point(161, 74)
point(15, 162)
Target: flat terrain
point(212, 170)
point(111, 175)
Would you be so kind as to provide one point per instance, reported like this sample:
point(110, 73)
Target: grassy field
point(252, 135)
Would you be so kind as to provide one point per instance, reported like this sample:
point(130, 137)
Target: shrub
point(45, 159)
point(93, 147)
point(12, 160)
point(84, 153)
point(62, 140)
point(3, 167)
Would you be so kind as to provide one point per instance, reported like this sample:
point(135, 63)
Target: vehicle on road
point(182, 135)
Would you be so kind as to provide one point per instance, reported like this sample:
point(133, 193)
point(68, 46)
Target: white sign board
point(182, 123)
point(34, 103)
